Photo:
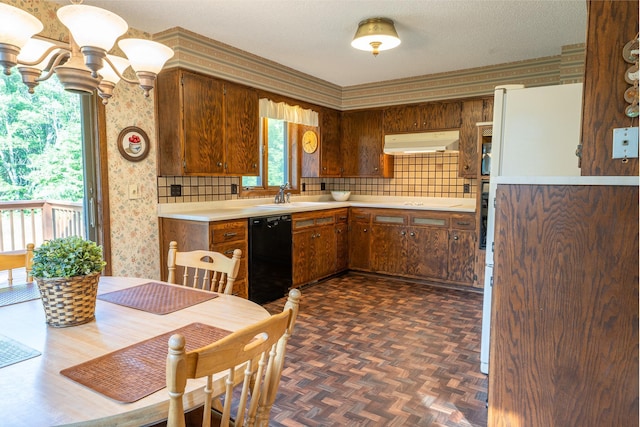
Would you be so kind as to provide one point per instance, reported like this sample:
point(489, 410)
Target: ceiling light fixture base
point(375, 34)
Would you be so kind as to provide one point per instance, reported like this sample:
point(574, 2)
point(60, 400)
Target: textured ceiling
point(313, 36)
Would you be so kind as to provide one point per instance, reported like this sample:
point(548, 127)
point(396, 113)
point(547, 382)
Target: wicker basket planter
point(69, 301)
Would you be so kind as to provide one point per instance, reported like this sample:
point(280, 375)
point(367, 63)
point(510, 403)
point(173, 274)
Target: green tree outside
point(40, 142)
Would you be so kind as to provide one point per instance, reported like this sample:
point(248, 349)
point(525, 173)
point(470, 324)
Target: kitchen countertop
point(247, 208)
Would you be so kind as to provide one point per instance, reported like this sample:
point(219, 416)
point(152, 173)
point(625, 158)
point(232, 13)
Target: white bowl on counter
point(340, 196)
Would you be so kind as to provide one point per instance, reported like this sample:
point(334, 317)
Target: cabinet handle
point(455, 237)
point(412, 234)
point(463, 223)
point(255, 165)
point(342, 218)
point(365, 230)
point(219, 164)
point(229, 252)
point(403, 233)
point(375, 169)
point(227, 235)
point(466, 167)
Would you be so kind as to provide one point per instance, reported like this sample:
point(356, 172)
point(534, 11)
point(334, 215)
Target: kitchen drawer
point(429, 219)
point(463, 222)
point(359, 215)
point(314, 219)
point(342, 216)
point(228, 231)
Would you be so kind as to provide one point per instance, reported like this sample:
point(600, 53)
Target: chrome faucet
point(281, 197)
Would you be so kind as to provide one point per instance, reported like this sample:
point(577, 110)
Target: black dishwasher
point(269, 257)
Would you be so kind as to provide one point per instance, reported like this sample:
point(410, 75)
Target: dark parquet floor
point(374, 351)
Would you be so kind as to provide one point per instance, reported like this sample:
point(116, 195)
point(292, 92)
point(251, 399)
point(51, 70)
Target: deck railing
point(34, 221)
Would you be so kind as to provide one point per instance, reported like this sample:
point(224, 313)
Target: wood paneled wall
point(610, 25)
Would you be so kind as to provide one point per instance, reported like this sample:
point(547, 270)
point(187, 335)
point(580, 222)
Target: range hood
point(424, 142)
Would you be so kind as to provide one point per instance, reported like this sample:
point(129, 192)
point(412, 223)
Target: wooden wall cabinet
point(564, 327)
point(473, 111)
point(316, 244)
point(219, 236)
point(362, 145)
point(242, 125)
point(326, 161)
point(205, 126)
point(422, 117)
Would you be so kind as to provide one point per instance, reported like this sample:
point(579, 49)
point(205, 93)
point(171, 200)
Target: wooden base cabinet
point(359, 239)
point(219, 236)
point(316, 244)
point(423, 244)
point(564, 327)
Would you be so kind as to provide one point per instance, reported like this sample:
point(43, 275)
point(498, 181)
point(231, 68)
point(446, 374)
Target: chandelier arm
point(51, 69)
point(115, 70)
point(43, 56)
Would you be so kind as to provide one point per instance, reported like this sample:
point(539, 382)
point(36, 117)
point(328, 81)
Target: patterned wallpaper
point(134, 225)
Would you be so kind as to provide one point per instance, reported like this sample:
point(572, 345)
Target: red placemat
point(131, 373)
point(157, 298)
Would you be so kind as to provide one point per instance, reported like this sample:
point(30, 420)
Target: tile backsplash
point(419, 175)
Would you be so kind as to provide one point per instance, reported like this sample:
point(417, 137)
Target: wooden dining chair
point(251, 361)
point(208, 270)
point(10, 261)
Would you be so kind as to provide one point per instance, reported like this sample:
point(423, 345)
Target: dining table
point(41, 390)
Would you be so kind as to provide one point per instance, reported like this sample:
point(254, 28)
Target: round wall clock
point(309, 142)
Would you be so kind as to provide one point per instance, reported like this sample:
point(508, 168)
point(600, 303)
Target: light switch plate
point(134, 191)
point(625, 143)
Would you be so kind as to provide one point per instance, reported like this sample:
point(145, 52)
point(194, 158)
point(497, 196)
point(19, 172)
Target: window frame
point(293, 159)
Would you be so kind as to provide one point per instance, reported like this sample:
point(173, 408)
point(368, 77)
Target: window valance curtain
point(289, 113)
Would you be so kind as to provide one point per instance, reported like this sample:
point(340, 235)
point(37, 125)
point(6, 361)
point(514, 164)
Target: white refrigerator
point(536, 132)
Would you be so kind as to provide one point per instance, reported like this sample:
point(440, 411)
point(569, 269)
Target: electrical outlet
point(176, 190)
point(466, 188)
point(323, 186)
point(234, 188)
point(304, 186)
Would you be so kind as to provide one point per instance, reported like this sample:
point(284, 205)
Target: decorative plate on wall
point(133, 144)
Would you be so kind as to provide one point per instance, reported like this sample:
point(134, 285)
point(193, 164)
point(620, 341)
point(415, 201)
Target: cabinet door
point(440, 115)
point(303, 253)
point(330, 159)
point(468, 152)
point(324, 250)
point(462, 256)
point(362, 145)
point(389, 249)
point(427, 252)
point(242, 149)
point(342, 247)
point(202, 124)
point(359, 245)
point(405, 118)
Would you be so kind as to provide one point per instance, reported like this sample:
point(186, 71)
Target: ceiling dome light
point(375, 34)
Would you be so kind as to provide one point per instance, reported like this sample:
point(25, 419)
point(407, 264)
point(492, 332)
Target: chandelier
point(83, 65)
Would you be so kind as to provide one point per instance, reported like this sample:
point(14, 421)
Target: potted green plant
point(66, 271)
